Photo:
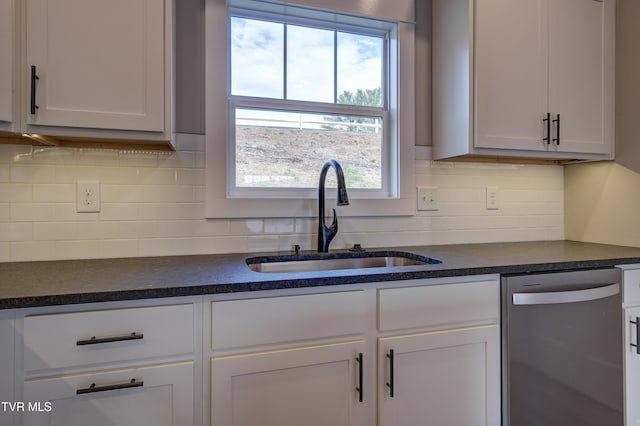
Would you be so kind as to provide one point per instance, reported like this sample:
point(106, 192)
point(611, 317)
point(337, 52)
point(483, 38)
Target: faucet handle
point(334, 223)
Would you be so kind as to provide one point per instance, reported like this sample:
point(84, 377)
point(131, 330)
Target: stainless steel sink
point(336, 261)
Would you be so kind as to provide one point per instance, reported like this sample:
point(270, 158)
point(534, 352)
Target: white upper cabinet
point(7, 63)
point(525, 78)
point(511, 73)
point(581, 74)
point(91, 64)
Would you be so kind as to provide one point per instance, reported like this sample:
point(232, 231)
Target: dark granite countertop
point(28, 284)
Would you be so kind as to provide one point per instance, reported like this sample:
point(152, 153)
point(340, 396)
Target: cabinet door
point(311, 386)
point(6, 64)
point(581, 74)
point(7, 372)
point(511, 73)
point(100, 64)
point(164, 399)
point(449, 377)
point(632, 368)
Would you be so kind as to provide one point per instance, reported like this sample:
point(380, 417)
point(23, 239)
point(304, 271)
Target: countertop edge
point(300, 282)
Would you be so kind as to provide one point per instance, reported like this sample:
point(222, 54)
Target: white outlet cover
point(88, 196)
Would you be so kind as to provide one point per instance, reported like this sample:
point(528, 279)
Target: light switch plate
point(492, 198)
point(427, 198)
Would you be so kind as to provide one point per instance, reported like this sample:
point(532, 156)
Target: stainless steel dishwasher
point(562, 349)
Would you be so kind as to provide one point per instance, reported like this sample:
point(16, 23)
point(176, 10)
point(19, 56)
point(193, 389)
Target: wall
point(153, 204)
point(602, 204)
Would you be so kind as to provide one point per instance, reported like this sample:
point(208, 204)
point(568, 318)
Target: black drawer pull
point(557, 138)
point(97, 340)
point(93, 388)
point(637, 344)
point(34, 77)
point(547, 121)
point(390, 383)
point(360, 360)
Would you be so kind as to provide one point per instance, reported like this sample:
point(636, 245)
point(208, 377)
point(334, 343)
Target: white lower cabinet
point(631, 310)
point(148, 396)
point(115, 364)
point(311, 386)
point(7, 371)
point(325, 359)
point(632, 368)
point(286, 358)
point(446, 377)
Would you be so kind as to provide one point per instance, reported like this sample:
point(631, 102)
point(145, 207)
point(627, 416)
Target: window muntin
point(331, 79)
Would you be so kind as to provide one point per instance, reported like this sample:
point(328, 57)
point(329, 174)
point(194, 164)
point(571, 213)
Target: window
point(305, 85)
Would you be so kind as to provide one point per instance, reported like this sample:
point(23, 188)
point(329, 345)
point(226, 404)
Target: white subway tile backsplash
point(279, 226)
point(35, 250)
point(30, 173)
point(120, 248)
point(15, 193)
point(133, 159)
point(47, 156)
point(16, 231)
point(32, 212)
point(262, 243)
point(54, 193)
point(246, 227)
point(4, 172)
point(5, 212)
point(55, 231)
point(153, 204)
point(5, 252)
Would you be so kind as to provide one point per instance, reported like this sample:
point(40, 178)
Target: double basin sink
point(337, 261)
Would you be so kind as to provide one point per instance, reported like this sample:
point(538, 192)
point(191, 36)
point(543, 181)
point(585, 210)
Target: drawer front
point(95, 337)
point(438, 305)
point(149, 396)
point(631, 286)
point(277, 320)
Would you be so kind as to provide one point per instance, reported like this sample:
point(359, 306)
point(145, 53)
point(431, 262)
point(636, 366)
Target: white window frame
point(396, 199)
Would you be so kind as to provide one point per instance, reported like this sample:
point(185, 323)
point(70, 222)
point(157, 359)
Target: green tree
point(367, 97)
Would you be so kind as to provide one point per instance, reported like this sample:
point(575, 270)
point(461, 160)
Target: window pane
point(287, 149)
point(257, 58)
point(359, 69)
point(310, 64)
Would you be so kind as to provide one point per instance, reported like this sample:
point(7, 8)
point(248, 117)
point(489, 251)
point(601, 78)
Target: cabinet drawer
point(95, 337)
point(438, 305)
point(149, 396)
point(631, 286)
point(278, 320)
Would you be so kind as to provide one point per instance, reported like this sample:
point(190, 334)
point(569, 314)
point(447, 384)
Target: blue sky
point(258, 61)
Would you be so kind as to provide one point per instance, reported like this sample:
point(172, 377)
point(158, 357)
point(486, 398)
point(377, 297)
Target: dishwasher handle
point(572, 296)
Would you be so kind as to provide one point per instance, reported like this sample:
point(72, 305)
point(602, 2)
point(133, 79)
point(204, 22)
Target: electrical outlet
point(492, 198)
point(88, 196)
point(427, 198)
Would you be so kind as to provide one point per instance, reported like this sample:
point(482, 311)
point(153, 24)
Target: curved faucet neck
point(326, 233)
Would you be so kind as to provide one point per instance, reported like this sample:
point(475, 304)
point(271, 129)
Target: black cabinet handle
point(557, 138)
point(390, 383)
point(34, 78)
point(637, 344)
point(359, 360)
point(547, 120)
point(97, 340)
point(93, 388)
